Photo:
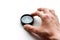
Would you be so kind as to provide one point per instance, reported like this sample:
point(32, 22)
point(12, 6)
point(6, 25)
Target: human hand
point(50, 27)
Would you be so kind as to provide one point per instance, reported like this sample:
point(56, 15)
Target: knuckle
point(36, 31)
point(52, 10)
point(46, 17)
point(31, 28)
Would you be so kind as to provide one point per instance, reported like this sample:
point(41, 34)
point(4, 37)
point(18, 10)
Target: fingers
point(30, 28)
point(38, 13)
point(45, 10)
point(44, 13)
point(41, 11)
point(41, 15)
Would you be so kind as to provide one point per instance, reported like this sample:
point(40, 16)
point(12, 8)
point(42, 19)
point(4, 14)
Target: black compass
point(27, 19)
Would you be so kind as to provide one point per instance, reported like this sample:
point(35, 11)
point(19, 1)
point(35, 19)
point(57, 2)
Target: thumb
point(36, 30)
point(31, 28)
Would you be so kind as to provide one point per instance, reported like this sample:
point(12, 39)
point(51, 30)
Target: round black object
point(27, 19)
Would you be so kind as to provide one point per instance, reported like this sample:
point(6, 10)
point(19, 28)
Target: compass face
point(27, 19)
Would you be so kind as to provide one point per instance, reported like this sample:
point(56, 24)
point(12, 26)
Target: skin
point(50, 27)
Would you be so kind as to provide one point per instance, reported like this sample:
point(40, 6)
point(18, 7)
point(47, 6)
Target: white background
point(12, 10)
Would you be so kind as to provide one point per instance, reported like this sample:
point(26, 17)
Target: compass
point(27, 19)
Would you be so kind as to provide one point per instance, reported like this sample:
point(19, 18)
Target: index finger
point(38, 13)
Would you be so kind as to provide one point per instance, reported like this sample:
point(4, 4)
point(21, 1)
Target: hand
point(50, 28)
